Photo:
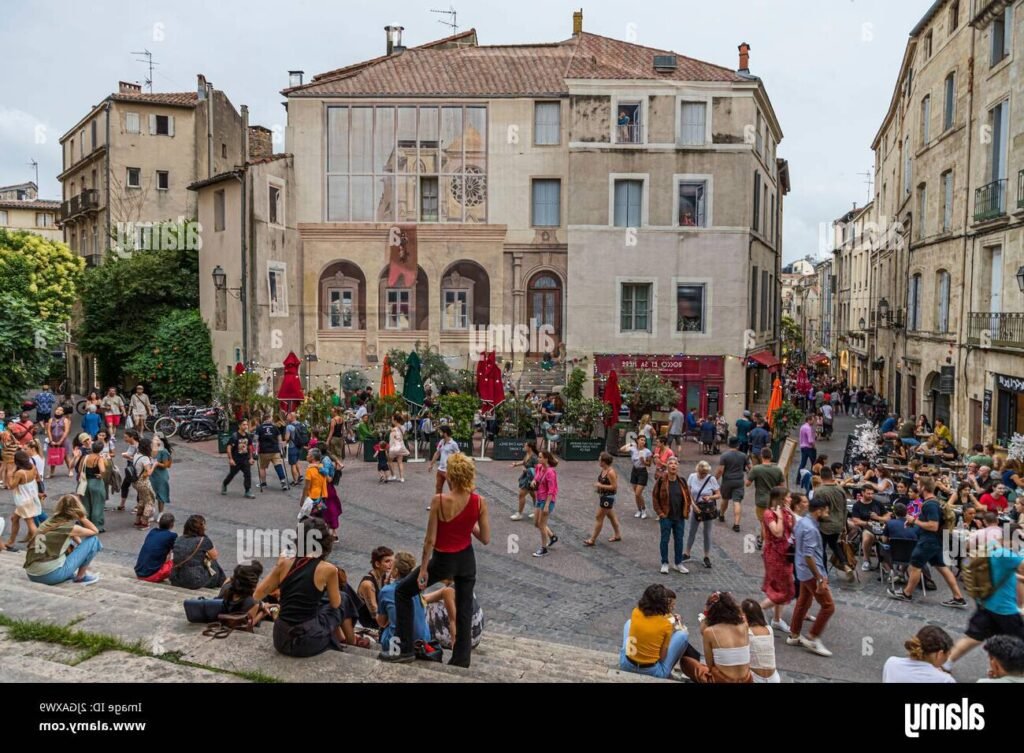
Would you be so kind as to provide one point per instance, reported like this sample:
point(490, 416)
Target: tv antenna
point(869, 181)
point(149, 62)
point(35, 166)
point(453, 24)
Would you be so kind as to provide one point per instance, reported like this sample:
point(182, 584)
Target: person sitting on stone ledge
point(654, 638)
point(63, 547)
point(195, 558)
point(237, 591)
point(155, 558)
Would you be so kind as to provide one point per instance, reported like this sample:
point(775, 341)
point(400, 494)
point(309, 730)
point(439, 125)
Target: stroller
point(708, 437)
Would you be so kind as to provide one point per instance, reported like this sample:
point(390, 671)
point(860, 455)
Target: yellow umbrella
point(776, 402)
point(387, 380)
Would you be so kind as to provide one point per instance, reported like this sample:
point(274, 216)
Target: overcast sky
point(828, 65)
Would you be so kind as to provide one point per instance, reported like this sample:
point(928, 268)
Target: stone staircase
point(150, 617)
point(533, 377)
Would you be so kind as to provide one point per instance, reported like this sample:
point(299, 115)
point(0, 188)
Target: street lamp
point(220, 282)
point(883, 309)
point(1020, 278)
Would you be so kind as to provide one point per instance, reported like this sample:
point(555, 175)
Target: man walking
point(808, 442)
point(929, 551)
point(833, 527)
point(826, 421)
point(240, 459)
point(113, 410)
point(45, 401)
point(268, 441)
point(676, 421)
point(810, 571)
point(140, 408)
point(760, 438)
point(671, 500)
point(764, 478)
point(732, 467)
point(291, 432)
point(743, 429)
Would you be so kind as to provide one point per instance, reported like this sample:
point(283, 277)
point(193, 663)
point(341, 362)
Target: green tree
point(459, 410)
point(792, 337)
point(25, 341)
point(645, 391)
point(177, 359)
point(432, 364)
point(125, 299)
point(315, 410)
point(45, 273)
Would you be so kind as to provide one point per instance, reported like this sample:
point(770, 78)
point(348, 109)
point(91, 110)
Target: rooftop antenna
point(35, 166)
point(869, 181)
point(149, 62)
point(453, 23)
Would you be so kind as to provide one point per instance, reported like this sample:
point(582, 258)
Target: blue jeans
point(676, 529)
point(910, 441)
point(83, 555)
point(807, 454)
point(663, 669)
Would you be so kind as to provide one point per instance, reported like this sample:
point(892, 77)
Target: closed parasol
point(612, 397)
point(412, 385)
point(387, 380)
point(290, 392)
point(776, 401)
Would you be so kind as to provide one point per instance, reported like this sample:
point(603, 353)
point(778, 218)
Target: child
point(155, 562)
point(546, 483)
point(380, 451)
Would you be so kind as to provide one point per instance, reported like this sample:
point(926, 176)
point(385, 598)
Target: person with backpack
point(296, 437)
point(990, 578)
point(240, 459)
point(268, 442)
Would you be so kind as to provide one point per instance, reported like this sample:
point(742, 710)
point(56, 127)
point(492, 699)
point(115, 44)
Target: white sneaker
point(814, 645)
point(664, 569)
point(810, 618)
point(637, 514)
point(516, 516)
point(780, 625)
point(531, 514)
point(392, 478)
point(681, 569)
point(643, 514)
point(866, 567)
point(791, 641)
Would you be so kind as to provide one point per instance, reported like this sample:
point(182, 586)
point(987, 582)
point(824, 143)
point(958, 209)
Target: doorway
point(544, 304)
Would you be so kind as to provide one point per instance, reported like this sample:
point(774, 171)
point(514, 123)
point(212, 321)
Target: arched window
point(942, 301)
point(465, 297)
point(402, 307)
point(342, 301)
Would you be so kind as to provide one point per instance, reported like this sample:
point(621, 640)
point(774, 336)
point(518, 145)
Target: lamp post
point(1020, 278)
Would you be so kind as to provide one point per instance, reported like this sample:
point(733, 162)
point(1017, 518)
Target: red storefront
point(699, 379)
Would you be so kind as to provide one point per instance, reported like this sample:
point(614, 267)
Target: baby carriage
point(708, 438)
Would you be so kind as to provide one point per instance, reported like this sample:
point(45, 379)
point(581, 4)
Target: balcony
point(632, 133)
point(996, 330)
point(990, 201)
point(87, 201)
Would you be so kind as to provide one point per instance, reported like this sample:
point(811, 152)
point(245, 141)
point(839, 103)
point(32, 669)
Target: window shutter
point(621, 193)
point(170, 125)
point(152, 125)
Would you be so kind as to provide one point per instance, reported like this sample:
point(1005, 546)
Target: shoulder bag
point(707, 508)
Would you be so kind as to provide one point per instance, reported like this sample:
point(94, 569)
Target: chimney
point(295, 78)
point(261, 142)
point(577, 23)
point(201, 86)
point(744, 58)
point(123, 87)
point(394, 37)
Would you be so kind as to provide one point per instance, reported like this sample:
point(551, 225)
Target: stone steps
point(151, 614)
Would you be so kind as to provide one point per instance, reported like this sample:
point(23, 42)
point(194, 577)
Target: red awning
point(765, 358)
point(819, 359)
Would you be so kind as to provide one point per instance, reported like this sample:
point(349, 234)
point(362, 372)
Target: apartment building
point(21, 209)
point(627, 199)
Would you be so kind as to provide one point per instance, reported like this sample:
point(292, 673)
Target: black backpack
point(300, 435)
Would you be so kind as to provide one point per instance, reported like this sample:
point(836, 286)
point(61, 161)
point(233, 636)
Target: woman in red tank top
point(447, 555)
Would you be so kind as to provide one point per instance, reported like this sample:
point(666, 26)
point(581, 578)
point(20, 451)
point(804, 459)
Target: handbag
point(203, 609)
point(707, 509)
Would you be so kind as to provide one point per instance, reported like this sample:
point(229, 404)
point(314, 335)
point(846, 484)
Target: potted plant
point(459, 410)
point(515, 428)
point(581, 417)
point(647, 391)
point(784, 419)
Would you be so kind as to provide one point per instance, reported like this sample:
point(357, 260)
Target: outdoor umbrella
point(239, 368)
point(412, 386)
point(613, 397)
point(290, 392)
point(387, 380)
point(483, 381)
point(776, 401)
point(802, 382)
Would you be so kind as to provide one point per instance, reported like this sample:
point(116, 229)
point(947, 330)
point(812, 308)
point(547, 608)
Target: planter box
point(222, 443)
point(509, 448)
point(368, 450)
point(465, 445)
point(776, 446)
point(582, 448)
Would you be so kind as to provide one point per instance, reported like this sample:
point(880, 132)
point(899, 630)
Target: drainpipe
point(209, 130)
point(963, 349)
point(243, 232)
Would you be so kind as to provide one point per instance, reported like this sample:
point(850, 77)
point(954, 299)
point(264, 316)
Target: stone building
point(21, 209)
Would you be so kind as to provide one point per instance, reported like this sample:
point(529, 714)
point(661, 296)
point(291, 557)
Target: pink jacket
point(547, 483)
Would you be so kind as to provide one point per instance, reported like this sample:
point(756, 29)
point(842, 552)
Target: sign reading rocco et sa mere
point(667, 365)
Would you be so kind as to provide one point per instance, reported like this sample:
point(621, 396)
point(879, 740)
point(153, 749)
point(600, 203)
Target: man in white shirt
point(361, 411)
point(826, 421)
point(676, 423)
point(446, 447)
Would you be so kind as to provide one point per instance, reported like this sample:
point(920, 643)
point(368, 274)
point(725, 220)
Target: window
point(954, 16)
point(947, 201)
point(758, 137)
point(635, 307)
point(397, 312)
point(428, 199)
point(71, 151)
point(81, 144)
point(629, 129)
point(275, 215)
point(928, 45)
point(340, 306)
point(3, 217)
point(92, 134)
point(907, 168)
point(277, 287)
point(456, 309)
point(547, 202)
point(690, 308)
point(134, 177)
point(547, 123)
point(949, 106)
point(44, 219)
point(693, 124)
point(379, 161)
point(753, 299)
point(218, 211)
point(693, 204)
point(224, 151)
point(1000, 129)
point(757, 200)
point(922, 210)
point(161, 125)
point(131, 122)
point(942, 308)
point(764, 299)
point(772, 216)
point(764, 209)
point(926, 115)
point(163, 180)
point(628, 203)
point(1002, 36)
point(914, 304)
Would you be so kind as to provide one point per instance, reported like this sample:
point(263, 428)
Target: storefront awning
point(819, 359)
point(764, 358)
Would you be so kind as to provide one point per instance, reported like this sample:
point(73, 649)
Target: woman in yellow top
point(654, 637)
